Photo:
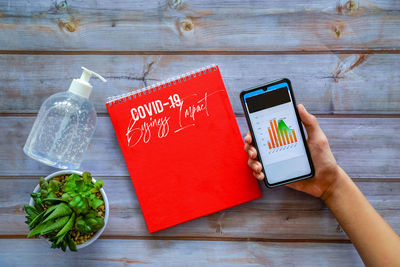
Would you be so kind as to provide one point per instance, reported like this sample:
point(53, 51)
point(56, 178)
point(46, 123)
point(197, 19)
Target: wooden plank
point(326, 84)
point(281, 213)
point(16, 252)
point(200, 25)
point(364, 147)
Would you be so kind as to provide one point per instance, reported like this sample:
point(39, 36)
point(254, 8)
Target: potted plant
point(69, 209)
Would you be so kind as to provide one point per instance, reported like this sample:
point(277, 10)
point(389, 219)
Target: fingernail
point(250, 153)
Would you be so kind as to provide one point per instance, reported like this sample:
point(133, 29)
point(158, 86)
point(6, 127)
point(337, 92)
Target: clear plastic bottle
point(64, 126)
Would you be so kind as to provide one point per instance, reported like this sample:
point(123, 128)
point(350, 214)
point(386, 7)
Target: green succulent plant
point(75, 209)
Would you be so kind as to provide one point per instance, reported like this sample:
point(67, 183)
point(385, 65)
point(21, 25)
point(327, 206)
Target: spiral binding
point(114, 100)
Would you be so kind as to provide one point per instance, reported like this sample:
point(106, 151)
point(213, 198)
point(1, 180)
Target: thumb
point(310, 121)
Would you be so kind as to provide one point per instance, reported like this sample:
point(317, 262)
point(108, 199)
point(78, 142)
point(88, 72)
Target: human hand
point(326, 168)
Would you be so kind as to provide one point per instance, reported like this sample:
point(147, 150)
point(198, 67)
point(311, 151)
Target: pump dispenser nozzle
point(81, 86)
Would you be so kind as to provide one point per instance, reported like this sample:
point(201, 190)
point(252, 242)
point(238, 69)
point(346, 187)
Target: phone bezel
point(265, 88)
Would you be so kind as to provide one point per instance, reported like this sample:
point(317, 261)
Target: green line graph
point(280, 134)
point(282, 127)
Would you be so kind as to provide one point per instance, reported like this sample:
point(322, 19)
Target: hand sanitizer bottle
point(64, 126)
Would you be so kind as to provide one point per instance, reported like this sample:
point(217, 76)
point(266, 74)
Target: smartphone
point(277, 132)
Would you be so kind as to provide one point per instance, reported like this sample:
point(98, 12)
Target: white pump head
point(81, 86)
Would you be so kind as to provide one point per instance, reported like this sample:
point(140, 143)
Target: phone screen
point(277, 133)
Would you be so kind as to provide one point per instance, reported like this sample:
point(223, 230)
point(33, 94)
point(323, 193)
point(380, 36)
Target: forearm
point(374, 239)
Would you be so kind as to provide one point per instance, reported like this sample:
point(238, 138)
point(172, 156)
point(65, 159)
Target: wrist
point(338, 178)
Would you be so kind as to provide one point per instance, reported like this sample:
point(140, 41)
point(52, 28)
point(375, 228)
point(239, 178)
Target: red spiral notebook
point(183, 148)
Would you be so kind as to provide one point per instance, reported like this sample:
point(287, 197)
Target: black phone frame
point(265, 88)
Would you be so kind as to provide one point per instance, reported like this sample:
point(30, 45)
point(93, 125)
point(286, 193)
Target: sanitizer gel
point(64, 126)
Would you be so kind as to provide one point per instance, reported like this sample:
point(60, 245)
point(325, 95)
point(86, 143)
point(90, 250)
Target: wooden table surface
point(343, 58)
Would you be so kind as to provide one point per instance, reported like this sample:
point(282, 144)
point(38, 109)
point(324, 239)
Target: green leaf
point(49, 210)
point(61, 210)
point(74, 177)
point(95, 203)
point(45, 225)
point(91, 214)
point(69, 187)
point(36, 220)
point(81, 226)
point(65, 197)
point(53, 185)
point(75, 201)
point(58, 223)
point(80, 186)
point(70, 184)
point(64, 245)
point(87, 177)
point(44, 193)
point(31, 210)
point(67, 226)
point(60, 238)
point(38, 201)
point(39, 207)
point(55, 199)
point(51, 195)
point(35, 195)
point(43, 183)
point(99, 224)
point(99, 184)
point(89, 223)
point(95, 223)
point(71, 243)
point(35, 231)
point(32, 214)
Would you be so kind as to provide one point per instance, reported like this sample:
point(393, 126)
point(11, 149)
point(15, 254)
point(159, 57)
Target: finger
point(259, 176)
point(252, 152)
point(247, 147)
point(310, 122)
point(254, 165)
point(248, 138)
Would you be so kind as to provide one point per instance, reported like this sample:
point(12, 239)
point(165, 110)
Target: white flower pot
point(106, 206)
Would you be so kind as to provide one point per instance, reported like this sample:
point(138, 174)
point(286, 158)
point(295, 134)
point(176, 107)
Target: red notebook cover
point(183, 148)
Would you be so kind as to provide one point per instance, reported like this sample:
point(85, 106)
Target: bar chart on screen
point(277, 134)
point(281, 137)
